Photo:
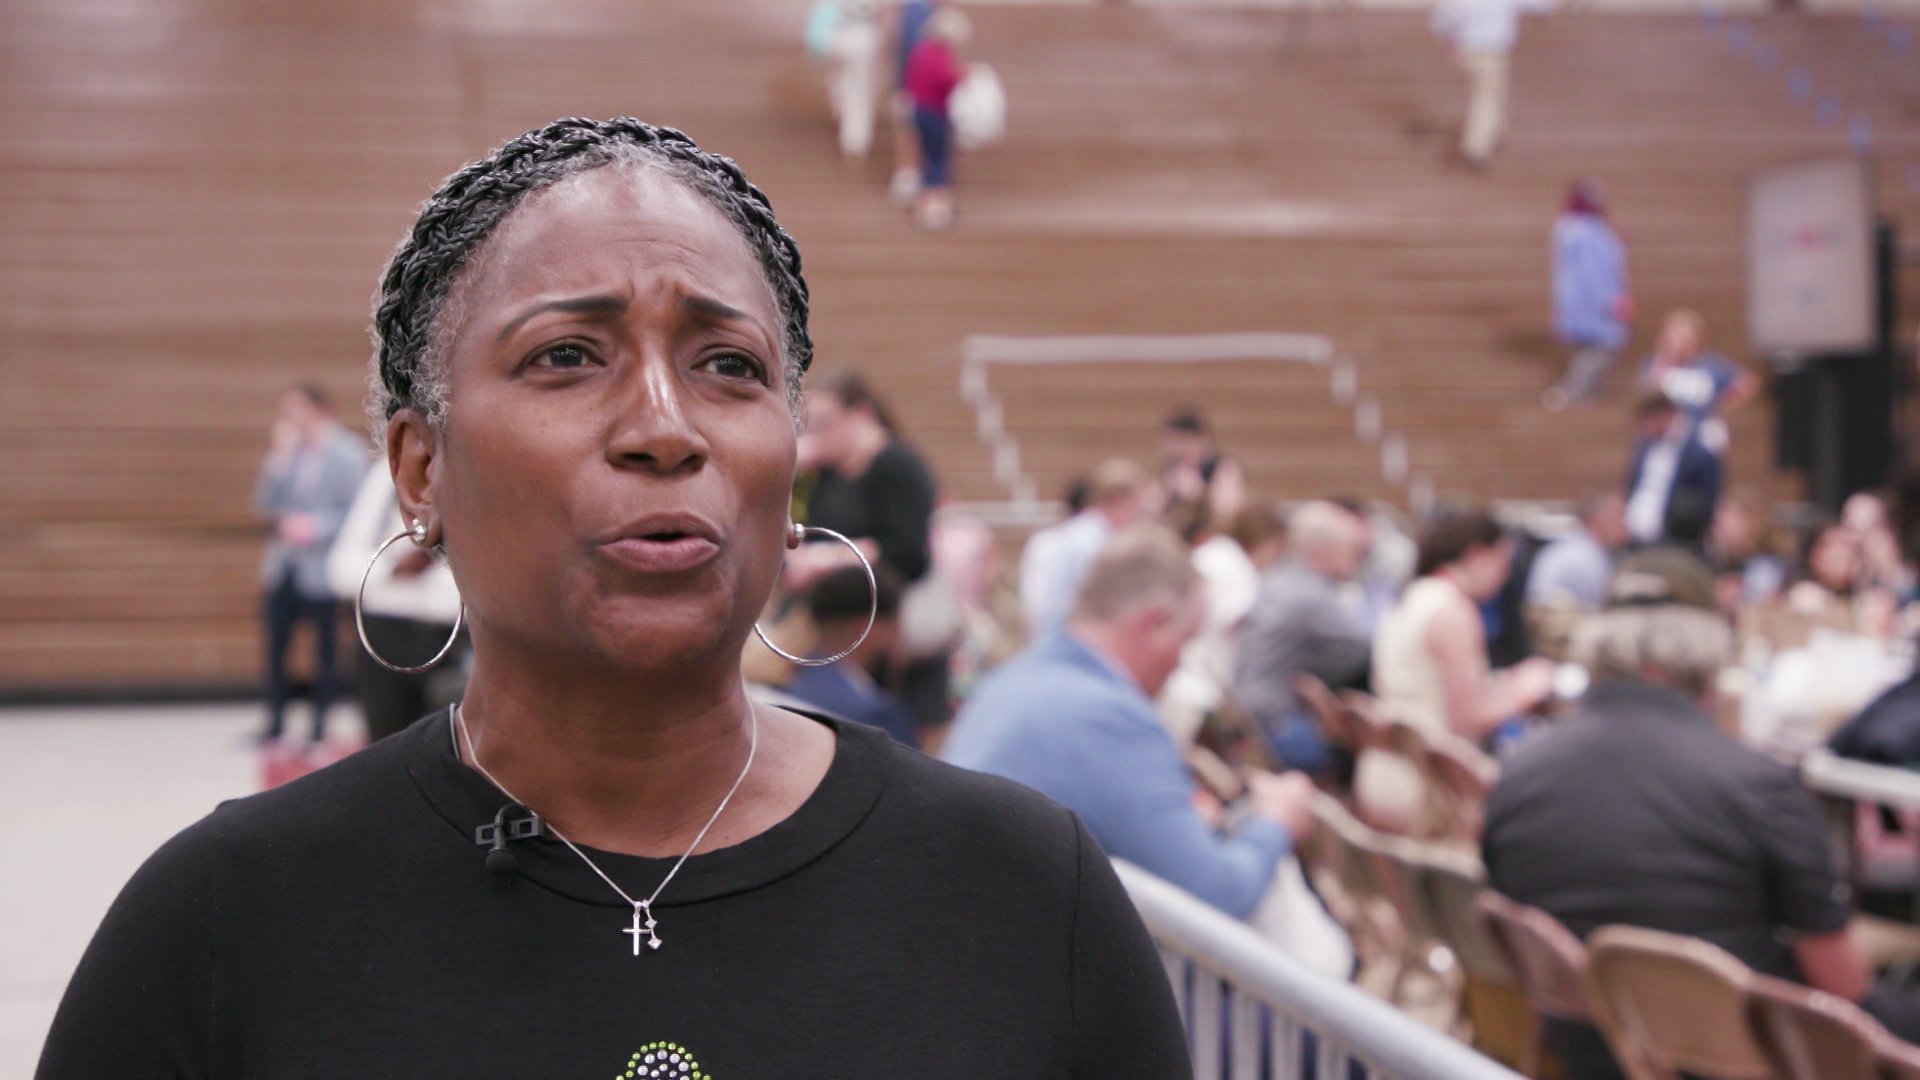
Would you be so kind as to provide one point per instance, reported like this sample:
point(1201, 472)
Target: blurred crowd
point(1599, 702)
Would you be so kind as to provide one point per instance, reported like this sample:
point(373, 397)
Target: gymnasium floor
point(89, 794)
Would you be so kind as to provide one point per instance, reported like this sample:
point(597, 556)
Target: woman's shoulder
point(942, 804)
point(332, 805)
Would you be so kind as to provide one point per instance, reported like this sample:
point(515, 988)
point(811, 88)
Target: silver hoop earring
point(873, 605)
point(417, 535)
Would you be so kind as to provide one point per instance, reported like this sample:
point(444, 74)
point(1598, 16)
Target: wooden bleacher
point(198, 202)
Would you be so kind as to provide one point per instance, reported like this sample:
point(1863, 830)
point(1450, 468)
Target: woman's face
point(1679, 340)
point(614, 472)
point(1483, 570)
point(1835, 559)
point(830, 434)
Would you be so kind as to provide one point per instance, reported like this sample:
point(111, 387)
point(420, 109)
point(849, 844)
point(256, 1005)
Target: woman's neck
point(1456, 579)
point(634, 764)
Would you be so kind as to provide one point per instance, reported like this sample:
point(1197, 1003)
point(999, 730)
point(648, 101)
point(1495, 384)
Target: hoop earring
point(873, 606)
point(417, 535)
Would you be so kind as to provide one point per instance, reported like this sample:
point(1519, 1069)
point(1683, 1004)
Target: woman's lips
point(663, 554)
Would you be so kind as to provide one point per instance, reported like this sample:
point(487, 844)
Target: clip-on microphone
point(494, 837)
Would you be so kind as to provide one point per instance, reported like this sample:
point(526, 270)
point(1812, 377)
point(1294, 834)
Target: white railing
point(979, 351)
point(1861, 781)
point(1253, 1014)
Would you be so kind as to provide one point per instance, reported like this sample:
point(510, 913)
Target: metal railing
point(1253, 1014)
point(1860, 781)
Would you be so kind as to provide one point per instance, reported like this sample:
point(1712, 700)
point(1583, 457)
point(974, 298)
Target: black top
point(910, 919)
point(1637, 810)
point(891, 503)
point(1886, 732)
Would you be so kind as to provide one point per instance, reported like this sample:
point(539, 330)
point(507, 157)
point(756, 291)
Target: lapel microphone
point(495, 837)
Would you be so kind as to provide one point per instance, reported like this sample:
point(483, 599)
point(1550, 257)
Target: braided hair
point(409, 362)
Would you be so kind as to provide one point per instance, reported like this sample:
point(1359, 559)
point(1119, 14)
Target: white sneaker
point(937, 217)
point(905, 186)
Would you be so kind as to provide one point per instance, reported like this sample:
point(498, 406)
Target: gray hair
point(1141, 565)
point(1317, 525)
point(1686, 646)
point(411, 316)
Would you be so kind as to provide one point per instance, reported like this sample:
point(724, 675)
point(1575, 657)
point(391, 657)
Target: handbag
point(978, 108)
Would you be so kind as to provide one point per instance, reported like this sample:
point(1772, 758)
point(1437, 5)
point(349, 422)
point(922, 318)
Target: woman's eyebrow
point(711, 310)
point(604, 307)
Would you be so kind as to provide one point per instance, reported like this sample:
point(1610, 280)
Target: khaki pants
point(1486, 102)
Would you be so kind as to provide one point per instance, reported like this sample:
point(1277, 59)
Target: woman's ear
point(413, 448)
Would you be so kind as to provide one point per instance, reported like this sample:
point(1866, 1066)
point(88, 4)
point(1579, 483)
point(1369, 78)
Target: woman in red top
point(933, 70)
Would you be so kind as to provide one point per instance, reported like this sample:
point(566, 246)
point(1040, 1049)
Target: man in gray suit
point(1298, 626)
point(305, 487)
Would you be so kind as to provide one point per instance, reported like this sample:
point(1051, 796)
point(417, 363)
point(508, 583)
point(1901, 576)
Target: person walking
point(1591, 301)
point(305, 487)
point(909, 20)
point(1483, 33)
point(854, 52)
point(933, 72)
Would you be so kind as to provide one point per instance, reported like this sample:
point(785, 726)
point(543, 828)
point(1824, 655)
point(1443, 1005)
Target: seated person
point(1638, 810)
point(1298, 626)
point(1055, 559)
point(1430, 665)
point(1833, 586)
point(1072, 717)
point(1572, 571)
point(838, 605)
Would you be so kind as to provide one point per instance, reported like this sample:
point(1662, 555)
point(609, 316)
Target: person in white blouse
point(410, 607)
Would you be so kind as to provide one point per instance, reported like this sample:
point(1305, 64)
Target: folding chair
point(1809, 1034)
point(1547, 961)
point(1670, 1005)
point(1348, 877)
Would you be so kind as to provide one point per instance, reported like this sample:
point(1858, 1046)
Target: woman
point(1833, 587)
point(589, 352)
point(1430, 659)
point(1194, 469)
point(873, 487)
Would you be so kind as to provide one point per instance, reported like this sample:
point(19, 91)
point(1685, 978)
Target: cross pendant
point(639, 927)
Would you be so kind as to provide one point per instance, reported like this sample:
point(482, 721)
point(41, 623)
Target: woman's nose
point(652, 429)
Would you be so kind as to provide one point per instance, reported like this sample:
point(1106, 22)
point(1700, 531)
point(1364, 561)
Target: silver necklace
point(643, 921)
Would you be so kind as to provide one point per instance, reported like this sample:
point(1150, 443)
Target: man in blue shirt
point(1073, 718)
point(1705, 386)
point(1056, 559)
point(1573, 570)
point(838, 605)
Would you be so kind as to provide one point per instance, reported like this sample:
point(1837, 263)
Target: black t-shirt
point(1637, 810)
point(910, 919)
point(891, 503)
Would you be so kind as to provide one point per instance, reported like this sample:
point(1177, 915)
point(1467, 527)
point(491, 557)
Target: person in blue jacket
point(1072, 717)
point(1591, 301)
